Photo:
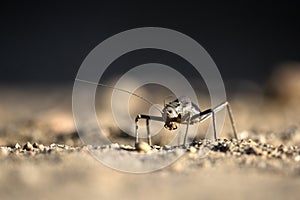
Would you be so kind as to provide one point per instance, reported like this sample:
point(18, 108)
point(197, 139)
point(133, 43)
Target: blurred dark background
point(47, 42)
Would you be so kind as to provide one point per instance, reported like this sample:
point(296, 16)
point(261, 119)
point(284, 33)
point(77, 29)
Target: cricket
point(178, 111)
point(182, 111)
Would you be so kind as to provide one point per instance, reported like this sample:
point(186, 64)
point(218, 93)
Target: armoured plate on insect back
point(184, 106)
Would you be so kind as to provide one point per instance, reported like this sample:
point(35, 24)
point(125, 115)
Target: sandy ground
point(43, 115)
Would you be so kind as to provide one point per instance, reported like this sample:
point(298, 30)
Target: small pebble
point(192, 149)
point(244, 135)
point(35, 145)
point(3, 152)
point(166, 147)
point(157, 147)
point(297, 158)
point(127, 147)
point(142, 147)
point(216, 143)
point(17, 146)
point(283, 157)
point(41, 147)
point(28, 146)
point(115, 146)
point(52, 145)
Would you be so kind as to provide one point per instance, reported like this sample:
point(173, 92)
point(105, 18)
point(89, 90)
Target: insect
point(182, 111)
point(176, 112)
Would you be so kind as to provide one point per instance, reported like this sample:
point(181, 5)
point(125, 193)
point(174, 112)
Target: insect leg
point(148, 132)
point(211, 113)
point(214, 125)
point(205, 115)
point(232, 121)
point(147, 117)
point(187, 129)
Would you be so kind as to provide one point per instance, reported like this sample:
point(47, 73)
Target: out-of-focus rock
point(3, 152)
point(142, 147)
point(192, 149)
point(28, 146)
point(284, 83)
point(41, 147)
point(17, 146)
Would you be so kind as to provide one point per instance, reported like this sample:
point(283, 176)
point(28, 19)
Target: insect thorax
point(175, 110)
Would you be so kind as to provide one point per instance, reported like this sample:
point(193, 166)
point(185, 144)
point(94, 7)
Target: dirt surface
point(42, 156)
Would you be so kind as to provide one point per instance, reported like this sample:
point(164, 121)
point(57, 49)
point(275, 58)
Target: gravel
point(230, 147)
point(246, 152)
point(42, 156)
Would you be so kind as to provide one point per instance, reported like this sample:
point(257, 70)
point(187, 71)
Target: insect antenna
point(122, 90)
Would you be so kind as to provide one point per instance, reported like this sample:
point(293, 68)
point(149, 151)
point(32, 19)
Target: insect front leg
point(148, 129)
point(147, 117)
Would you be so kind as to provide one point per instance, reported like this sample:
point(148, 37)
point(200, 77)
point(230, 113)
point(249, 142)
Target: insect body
point(178, 111)
point(182, 111)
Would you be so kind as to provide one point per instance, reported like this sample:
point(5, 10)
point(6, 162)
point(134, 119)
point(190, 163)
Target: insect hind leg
point(230, 113)
point(211, 113)
point(187, 129)
point(219, 108)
